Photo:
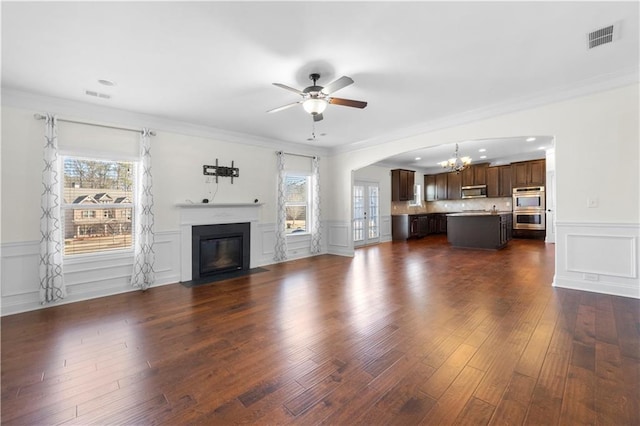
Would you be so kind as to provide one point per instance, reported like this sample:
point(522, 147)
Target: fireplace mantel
point(210, 214)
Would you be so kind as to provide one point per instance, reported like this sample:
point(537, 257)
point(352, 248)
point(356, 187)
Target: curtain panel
point(52, 286)
point(280, 249)
point(315, 195)
point(144, 258)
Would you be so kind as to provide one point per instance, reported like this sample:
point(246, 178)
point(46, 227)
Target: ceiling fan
point(316, 98)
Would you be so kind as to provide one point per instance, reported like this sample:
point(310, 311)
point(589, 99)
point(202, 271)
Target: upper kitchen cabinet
point(528, 173)
point(475, 175)
point(402, 183)
point(454, 186)
point(435, 187)
point(499, 181)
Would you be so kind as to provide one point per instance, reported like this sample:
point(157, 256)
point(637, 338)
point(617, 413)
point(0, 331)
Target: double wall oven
point(529, 208)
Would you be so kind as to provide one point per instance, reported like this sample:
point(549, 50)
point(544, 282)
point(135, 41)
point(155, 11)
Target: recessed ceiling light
point(482, 150)
point(106, 82)
point(418, 158)
point(482, 157)
point(531, 139)
point(541, 148)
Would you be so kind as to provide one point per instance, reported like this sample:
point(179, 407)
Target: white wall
point(596, 157)
point(177, 173)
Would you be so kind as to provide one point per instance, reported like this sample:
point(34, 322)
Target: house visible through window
point(98, 205)
point(297, 204)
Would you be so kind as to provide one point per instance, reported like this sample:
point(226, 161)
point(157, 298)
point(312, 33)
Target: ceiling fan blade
point(347, 102)
point(317, 117)
point(284, 107)
point(284, 86)
point(336, 85)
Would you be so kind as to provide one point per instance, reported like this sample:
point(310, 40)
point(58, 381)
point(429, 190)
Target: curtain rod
point(296, 155)
point(42, 117)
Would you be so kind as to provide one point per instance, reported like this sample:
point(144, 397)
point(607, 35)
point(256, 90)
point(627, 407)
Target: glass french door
point(366, 213)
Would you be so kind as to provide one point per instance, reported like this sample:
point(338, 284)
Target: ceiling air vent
point(601, 36)
point(97, 94)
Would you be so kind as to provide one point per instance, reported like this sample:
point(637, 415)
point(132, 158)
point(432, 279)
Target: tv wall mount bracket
point(232, 172)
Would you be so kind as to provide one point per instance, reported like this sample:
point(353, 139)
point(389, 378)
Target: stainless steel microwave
point(476, 191)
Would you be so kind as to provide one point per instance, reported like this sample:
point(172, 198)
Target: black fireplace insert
point(220, 249)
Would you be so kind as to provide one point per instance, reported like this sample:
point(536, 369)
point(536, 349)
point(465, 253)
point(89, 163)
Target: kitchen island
point(484, 230)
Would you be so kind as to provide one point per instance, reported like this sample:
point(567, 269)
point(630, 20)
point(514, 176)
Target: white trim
point(86, 278)
point(581, 265)
point(601, 83)
point(213, 214)
point(108, 116)
point(27, 100)
point(631, 250)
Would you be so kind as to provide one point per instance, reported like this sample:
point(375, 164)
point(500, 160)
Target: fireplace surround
point(195, 214)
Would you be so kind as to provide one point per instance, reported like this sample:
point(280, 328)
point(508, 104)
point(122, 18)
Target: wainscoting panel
point(385, 228)
point(298, 246)
point(598, 257)
point(87, 277)
point(339, 238)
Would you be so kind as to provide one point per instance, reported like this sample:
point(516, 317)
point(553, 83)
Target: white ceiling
point(416, 63)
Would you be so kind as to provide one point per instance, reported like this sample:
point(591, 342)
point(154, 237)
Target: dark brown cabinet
point(475, 175)
point(528, 173)
point(435, 187)
point(405, 226)
point(505, 181)
point(402, 183)
point(454, 186)
point(499, 181)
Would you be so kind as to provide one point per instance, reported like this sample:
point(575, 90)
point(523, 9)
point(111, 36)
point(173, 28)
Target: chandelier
point(457, 163)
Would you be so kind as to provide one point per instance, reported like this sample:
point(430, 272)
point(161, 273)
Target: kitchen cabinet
point(505, 181)
point(528, 173)
point(405, 226)
point(475, 175)
point(499, 181)
point(454, 186)
point(487, 231)
point(402, 183)
point(435, 187)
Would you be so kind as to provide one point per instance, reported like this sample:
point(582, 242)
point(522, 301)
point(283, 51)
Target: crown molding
point(98, 113)
point(624, 77)
point(107, 115)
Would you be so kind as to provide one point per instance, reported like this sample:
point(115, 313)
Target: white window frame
point(107, 253)
point(309, 218)
point(417, 196)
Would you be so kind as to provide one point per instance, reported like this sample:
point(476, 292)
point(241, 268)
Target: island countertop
point(479, 213)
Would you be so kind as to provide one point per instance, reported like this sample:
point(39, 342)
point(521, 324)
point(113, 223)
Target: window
point(417, 195)
point(297, 203)
point(97, 205)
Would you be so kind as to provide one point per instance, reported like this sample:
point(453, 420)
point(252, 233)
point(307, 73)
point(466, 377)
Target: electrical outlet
point(592, 202)
point(590, 277)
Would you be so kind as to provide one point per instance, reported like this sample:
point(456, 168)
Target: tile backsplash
point(449, 206)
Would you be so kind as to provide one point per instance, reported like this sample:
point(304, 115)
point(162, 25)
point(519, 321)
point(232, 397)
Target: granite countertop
point(479, 213)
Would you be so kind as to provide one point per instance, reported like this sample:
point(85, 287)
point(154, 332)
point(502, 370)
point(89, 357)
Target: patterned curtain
point(281, 222)
point(315, 215)
point(52, 287)
point(143, 274)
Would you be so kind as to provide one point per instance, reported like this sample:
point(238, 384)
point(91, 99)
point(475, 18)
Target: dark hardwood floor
point(403, 333)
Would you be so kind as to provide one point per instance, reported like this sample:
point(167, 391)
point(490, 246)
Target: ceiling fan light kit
point(315, 99)
point(314, 105)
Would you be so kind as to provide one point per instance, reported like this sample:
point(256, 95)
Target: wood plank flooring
point(403, 333)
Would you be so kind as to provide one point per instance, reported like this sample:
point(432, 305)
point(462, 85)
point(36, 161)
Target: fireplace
point(219, 249)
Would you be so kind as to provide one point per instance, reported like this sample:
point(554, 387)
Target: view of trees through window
point(98, 205)
point(297, 203)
